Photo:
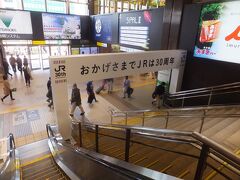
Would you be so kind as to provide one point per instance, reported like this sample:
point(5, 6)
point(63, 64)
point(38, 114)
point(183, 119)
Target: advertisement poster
point(141, 30)
point(94, 50)
point(12, 25)
point(219, 32)
point(105, 28)
point(75, 51)
point(85, 50)
point(58, 26)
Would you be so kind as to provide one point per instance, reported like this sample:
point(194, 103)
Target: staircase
point(224, 130)
point(173, 158)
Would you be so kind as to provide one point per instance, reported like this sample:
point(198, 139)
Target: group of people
point(22, 66)
point(76, 97)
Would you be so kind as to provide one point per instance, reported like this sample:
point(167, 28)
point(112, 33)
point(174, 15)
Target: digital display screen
point(59, 26)
point(105, 28)
point(141, 30)
point(219, 32)
point(85, 50)
point(12, 25)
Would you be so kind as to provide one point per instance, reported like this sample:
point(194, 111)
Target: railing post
point(202, 122)
point(96, 137)
point(183, 102)
point(111, 116)
point(166, 125)
point(127, 144)
point(202, 162)
point(210, 98)
point(80, 134)
point(143, 119)
point(126, 117)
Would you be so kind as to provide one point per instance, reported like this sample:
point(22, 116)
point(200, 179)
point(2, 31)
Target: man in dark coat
point(6, 67)
point(76, 100)
point(159, 93)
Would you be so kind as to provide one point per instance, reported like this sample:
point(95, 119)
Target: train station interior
point(119, 89)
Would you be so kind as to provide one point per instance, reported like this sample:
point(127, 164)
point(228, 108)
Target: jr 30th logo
point(60, 72)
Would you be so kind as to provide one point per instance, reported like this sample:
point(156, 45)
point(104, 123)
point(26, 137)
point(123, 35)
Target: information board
point(60, 26)
point(15, 25)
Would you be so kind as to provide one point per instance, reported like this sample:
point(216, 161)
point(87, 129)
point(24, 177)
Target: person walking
point(76, 100)
point(25, 61)
point(158, 94)
point(49, 83)
point(6, 67)
point(27, 75)
point(49, 96)
point(12, 61)
point(126, 87)
point(19, 64)
point(6, 89)
point(110, 85)
point(90, 91)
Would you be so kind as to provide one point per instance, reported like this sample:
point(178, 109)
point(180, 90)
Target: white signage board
point(81, 68)
point(15, 25)
point(3, 148)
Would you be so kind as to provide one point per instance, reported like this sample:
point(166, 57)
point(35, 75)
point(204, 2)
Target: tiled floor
point(27, 116)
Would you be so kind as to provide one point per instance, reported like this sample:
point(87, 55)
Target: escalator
point(43, 169)
point(54, 158)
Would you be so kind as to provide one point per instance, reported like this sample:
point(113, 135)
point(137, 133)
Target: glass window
point(56, 6)
point(119, 4)
point(34, 5)
point(101, 12)
point(79, 9)
point(125, 5)
point(11, 4)
point(80, 1)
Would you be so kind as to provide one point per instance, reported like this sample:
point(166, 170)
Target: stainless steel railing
point(10, 168)
point(209, 93)
point(166, 114)
point(208, 148)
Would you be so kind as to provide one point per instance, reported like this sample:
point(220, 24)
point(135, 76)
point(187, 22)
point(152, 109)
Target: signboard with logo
point(81, 68)
point(141, 30)
point(219, 32)
point(105, 28)
point(59, 26)
point(12, 25)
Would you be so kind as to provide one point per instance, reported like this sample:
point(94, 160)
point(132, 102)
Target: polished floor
point(27, 116)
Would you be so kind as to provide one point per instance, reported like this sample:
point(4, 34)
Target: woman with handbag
point(6, 89)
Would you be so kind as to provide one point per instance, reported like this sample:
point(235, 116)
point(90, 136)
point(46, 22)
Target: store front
point(37, 52)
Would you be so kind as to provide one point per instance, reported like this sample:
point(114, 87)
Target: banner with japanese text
point(85, 67)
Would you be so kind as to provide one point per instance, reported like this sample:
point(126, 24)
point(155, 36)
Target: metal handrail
point(10, 168)
point(207, 146)
point(179, 109)
point(165, 113)
point(208, 89)
point(203, 92)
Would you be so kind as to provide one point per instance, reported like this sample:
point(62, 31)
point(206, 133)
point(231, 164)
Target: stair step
point(33, 172)
point(40, 173)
